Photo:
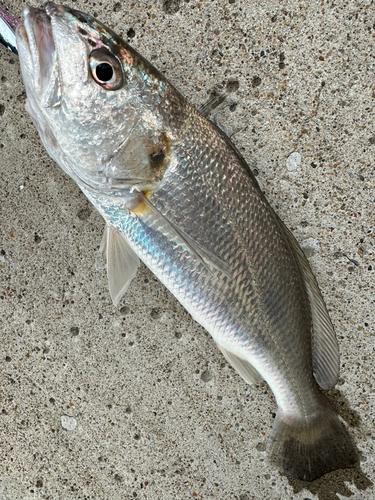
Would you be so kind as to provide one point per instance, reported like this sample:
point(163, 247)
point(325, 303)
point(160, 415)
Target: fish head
point(94, 100)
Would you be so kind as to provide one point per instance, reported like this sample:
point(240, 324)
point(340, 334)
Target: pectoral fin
point(207, 257)
point(242, 367)
point(122, 262)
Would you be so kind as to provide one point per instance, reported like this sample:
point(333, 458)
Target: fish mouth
point(38, 55)
point(52, 54)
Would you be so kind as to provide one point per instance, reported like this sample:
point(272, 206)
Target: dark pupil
point(104, 72)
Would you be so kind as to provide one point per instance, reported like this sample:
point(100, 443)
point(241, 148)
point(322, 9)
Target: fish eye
point(104, 72)
point(106, 69)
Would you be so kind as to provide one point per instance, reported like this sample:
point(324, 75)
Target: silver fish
point(176, 194)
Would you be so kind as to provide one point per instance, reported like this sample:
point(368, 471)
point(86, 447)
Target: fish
point(177, 195)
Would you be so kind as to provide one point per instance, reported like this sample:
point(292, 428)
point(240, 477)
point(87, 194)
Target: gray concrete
point(137, 402)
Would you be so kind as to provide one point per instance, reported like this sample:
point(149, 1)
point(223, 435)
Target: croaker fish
point(176, 194)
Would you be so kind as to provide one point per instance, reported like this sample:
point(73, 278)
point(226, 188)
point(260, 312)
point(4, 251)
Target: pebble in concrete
point(293, 161)
point(68, 423)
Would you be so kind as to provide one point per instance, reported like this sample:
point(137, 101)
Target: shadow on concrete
point(342, 407)
point(328, 486)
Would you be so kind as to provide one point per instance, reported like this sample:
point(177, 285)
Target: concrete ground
point(137, 402)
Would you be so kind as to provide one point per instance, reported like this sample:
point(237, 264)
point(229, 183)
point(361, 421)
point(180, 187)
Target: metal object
point(8, 24)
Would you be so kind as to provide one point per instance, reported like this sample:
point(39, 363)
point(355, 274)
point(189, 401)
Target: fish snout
point(37, 50)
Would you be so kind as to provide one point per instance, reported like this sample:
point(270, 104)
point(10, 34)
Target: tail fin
point(310, 450)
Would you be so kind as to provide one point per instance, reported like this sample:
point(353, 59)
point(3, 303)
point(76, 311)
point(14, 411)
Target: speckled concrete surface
point(137, 402)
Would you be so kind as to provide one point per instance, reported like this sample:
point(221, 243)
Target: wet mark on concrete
point(171, 6)
point(84, 214)
point(156, 313)
point(74, 331)
point(256, 81)
point(125, 310)
point(233, 85)
point(261, 447)
point(206, 376)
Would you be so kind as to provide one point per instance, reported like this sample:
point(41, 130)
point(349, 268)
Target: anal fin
point(122, 262)
point(242, 367)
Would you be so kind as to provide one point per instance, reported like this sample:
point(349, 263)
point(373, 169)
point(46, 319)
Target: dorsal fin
point(122, 262)
point(215, 101)
point(242, 367)
point(325, 349)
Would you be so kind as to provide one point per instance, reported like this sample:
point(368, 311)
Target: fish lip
point(39, 51)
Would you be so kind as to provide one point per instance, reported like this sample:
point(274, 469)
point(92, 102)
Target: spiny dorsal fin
point(215, 101)
point(242, 367)
point(122, 262)
point(326, 356)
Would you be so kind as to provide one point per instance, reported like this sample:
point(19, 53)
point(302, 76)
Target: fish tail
point(309, 448)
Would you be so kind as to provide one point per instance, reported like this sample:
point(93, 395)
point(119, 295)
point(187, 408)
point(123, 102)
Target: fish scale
point(185, 187)
point(175, 193)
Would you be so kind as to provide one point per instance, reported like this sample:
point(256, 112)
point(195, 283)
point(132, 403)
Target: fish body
point(176, 194)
